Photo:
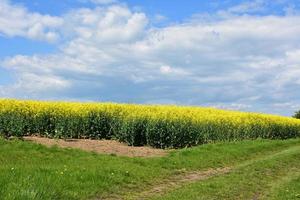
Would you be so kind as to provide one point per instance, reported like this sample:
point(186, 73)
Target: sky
point(229, 54)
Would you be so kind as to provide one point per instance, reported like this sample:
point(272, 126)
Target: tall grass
point(157, 126)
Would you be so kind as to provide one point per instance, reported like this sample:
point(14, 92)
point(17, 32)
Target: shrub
point(297, 115)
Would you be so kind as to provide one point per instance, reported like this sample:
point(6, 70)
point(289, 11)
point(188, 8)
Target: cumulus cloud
point(113, 54)
point(106, 25)
point(15, 20)
point(31, 85)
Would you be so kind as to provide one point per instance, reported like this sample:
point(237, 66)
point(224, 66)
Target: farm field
point(260, 169)
point(125, 151)
point(140, 125)
point(149, 100)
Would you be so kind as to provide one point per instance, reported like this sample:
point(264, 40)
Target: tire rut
point(183, 178)
point(175, 181)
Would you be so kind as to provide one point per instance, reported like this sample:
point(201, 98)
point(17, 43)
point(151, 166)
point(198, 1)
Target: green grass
point(288, 190)
point(259, 179)
point(30, 171)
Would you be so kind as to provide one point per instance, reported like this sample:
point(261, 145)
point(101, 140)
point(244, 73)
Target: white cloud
point(31, 85)
point(248, 6)
point(165, 69)
point(106, 25)
point(230, 106)
point(112, 53)
point(168, 70)
point(16, 20)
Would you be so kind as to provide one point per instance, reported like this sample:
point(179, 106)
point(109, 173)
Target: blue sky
point(230, 54)
point(175, 10)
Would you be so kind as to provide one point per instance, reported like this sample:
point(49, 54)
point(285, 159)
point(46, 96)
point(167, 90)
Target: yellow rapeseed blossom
point(155, 125)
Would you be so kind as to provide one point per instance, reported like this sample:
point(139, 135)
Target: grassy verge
point(286, 188)
point(31, 171)
point(272, 177)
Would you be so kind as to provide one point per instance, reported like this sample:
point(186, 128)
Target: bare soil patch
point(100, 146)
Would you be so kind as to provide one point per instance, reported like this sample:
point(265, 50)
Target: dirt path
point(100, 146)
point(183, 178)
point(174, 182)
point(178, 181)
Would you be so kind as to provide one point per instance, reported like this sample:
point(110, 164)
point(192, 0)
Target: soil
point(100, 146)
